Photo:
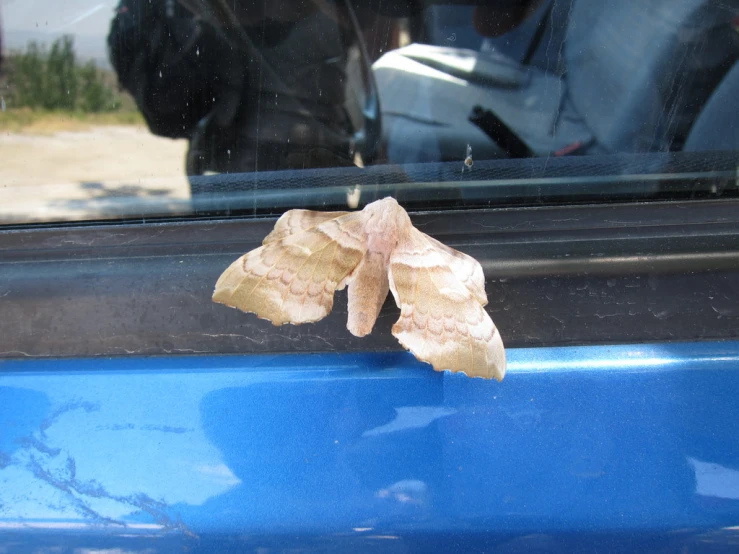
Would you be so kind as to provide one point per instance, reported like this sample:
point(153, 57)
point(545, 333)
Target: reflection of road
point(101, 172)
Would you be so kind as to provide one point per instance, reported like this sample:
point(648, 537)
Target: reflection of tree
point(53, 80)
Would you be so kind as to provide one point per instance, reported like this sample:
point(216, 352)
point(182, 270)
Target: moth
point(310, 255)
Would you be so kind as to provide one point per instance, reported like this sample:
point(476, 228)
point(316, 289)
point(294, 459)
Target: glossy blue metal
point(619, 448)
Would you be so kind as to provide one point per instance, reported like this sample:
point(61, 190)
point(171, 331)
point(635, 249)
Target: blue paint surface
point(618, 448)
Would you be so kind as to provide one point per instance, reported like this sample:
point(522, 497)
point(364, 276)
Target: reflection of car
point(136, 415)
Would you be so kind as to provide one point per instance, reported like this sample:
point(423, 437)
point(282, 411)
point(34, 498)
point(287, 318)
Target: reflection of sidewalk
point(94, 200)
point(101, 173)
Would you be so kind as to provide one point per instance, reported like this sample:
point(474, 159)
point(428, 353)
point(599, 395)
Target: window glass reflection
point(141, 108)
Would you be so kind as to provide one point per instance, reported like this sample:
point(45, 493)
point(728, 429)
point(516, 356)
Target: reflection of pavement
point(104, 172)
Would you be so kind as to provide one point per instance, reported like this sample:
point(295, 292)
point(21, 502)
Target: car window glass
point(138, 109)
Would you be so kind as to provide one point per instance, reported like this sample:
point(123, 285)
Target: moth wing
point(293, 279)
point(442, 319)
point(296, 221)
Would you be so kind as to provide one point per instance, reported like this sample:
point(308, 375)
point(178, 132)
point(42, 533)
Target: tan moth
point(309, 255)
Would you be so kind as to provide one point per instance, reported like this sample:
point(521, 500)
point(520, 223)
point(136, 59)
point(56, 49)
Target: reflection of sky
point(410, 417)
point(74, 16)
point(715, 480)
point(88, 21)
point(132, 433)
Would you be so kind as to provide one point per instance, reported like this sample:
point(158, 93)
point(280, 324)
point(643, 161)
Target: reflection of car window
point(138, 108)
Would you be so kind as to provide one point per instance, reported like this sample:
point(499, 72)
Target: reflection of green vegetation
point(47, 122)
point(52, 80)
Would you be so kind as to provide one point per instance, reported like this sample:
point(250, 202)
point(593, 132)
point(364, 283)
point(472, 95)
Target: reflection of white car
point(633, 79)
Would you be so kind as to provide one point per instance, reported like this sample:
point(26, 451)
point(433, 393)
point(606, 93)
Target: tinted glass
point(131, 109)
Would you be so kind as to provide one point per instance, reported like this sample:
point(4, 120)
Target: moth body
point(309, 255)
